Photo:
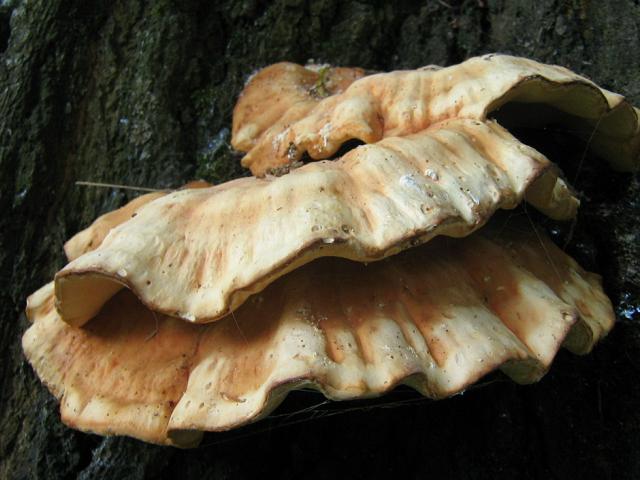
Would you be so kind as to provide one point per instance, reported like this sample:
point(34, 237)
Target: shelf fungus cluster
point(376, 265)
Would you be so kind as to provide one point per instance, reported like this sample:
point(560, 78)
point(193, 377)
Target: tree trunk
point(141, 93)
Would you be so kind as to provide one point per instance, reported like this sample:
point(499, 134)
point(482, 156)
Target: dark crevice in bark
point(484, 22)
point(455, 51)
point(5, 27)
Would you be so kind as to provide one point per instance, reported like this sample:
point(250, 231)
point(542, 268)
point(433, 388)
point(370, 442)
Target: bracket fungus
point(200, 309)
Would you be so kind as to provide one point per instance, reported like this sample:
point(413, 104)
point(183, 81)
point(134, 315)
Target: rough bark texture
point(141, 93)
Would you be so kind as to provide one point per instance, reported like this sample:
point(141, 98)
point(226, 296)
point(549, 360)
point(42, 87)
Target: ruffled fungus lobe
point(292, 90)
point(90, 238)
point(400, 103)
point(437, 317)
point(230, 241)
point(433, 313)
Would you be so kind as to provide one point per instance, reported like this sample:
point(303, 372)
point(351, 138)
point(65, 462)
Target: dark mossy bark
point(141, 93)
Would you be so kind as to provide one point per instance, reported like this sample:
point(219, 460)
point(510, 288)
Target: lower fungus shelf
point(437, 317)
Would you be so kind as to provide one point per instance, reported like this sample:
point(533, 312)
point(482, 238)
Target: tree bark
point(141, 93)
